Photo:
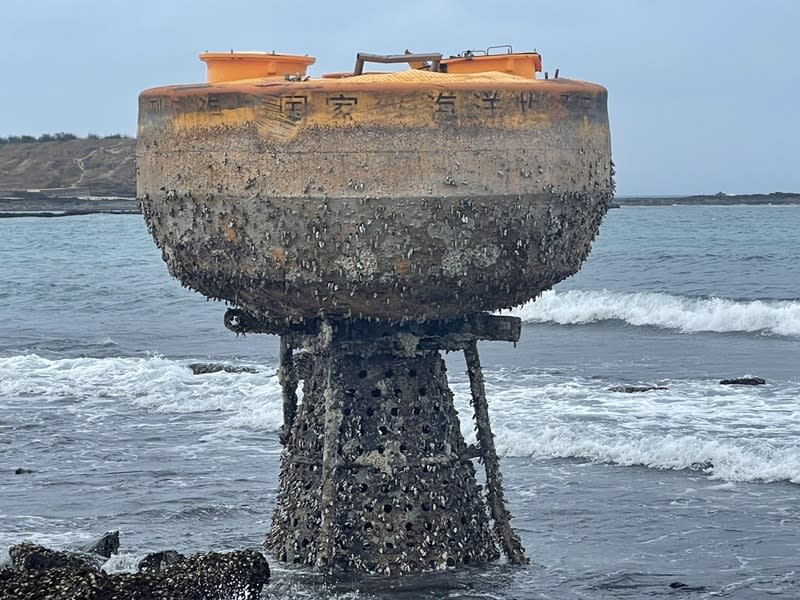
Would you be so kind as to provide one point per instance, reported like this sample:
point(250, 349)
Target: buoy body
point(372, 220)
point(411, 195)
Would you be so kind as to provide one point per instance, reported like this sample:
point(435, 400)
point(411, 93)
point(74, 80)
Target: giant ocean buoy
point(373, 220)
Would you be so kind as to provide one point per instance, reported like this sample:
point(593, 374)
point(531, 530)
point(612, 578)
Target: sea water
point(690, 491)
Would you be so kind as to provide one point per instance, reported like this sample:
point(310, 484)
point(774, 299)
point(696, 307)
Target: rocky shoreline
point(40, 205)
point(74, 167)
point(45, 574)
point(719, 199)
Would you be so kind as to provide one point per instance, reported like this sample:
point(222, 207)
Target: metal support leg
point(330, 457)
point(509, 540)
point(287, 376)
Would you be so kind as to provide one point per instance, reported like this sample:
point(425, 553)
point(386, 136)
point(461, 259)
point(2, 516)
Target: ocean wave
point(730, 433)
point(686, 314)
point(156, 384)
point(724, 459)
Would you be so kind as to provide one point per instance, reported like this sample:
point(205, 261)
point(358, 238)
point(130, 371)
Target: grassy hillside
point(97, 167)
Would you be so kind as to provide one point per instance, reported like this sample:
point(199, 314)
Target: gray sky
point(704, 95)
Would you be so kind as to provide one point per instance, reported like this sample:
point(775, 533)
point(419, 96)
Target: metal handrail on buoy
point(433, 59)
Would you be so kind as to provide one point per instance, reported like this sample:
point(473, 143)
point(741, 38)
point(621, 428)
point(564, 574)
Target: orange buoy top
point(235, 66)
point(523, 64)
point(232, 66)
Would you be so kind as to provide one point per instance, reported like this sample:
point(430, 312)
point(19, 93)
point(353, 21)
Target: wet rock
point(676, 585)
point(743, 381)
point(158, 561)
point(635, 389)
point(32, 557)
point(56, 584)
point(704, 465)
point(205, 368)
point(21, 471)
point(239, 574)
point(685, 587)
point(105, 546)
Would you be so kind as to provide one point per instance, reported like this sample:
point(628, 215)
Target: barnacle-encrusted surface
point(367, 198)
point(406, 498)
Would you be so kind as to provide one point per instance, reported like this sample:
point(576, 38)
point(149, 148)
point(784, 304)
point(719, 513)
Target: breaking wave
point(723, 459)
point(734, 434)
point(156, 384)
point(686, 314)
point(741, 434)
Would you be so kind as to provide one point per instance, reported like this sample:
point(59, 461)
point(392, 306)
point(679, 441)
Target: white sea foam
point(38, 530)
point(576, 307)
point(732, 433)
point(156, 384)
point(124, 562)
point(726, 459)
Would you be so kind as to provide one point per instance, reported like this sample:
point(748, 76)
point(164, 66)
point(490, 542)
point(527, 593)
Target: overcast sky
point(704, 95)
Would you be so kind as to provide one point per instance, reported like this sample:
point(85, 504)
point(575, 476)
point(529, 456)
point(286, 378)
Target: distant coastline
point(36, 204)
point(68, 167)
point(65, 202)
point(61, 175)
point(719, 199)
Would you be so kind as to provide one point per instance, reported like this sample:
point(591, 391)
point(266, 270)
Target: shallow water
point(615, 495)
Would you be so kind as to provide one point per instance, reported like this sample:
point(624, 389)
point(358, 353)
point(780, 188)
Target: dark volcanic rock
point(635, 389)
point(107, 545)
point(203, 368)
point(704, 465)
point(237, 574)
point(685, 587)
point(51, 575)
point(744, 381)
point(57, 584)
point(32, 557)
point(158, 561)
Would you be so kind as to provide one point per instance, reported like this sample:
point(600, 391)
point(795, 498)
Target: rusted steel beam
point(333, 417)
point(509, 540)
point(288, 377)
point(451, 334)
point(435, 59)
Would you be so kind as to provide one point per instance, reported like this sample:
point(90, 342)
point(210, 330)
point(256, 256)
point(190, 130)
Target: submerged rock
point(158, 561)
point(744, 381)
point(204, 368)
point(685, 587)
point(32, 557)
point(635, 389)
point(704, 465)
point(105, 546)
